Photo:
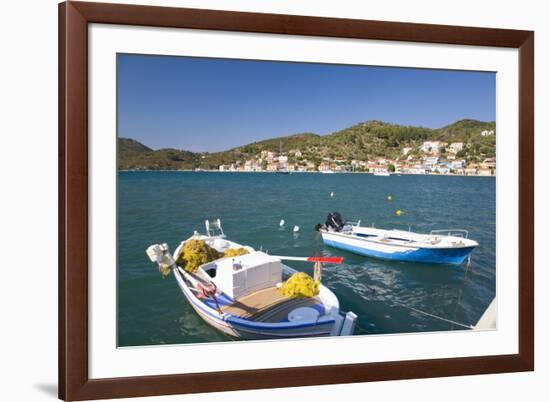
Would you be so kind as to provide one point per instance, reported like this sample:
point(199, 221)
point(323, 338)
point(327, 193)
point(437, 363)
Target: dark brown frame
point(74, 17)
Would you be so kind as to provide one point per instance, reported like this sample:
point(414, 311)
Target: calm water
point(166, 207)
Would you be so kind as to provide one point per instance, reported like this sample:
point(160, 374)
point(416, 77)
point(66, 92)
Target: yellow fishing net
point(235, 252)
point(300, 284)
point(195, 253)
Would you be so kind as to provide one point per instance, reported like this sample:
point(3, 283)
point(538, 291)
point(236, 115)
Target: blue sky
point(211, 105)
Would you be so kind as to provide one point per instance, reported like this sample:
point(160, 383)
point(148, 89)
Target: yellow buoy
point(399, 212)
point(390, 198)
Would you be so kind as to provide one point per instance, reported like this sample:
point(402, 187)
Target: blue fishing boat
point(240, 295)
point(446, 246)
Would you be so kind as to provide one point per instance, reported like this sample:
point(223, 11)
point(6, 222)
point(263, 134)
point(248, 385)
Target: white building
point(414, 170)
point(484, 172)
point(406, 150)
point(487, 133)
point(431, 147)
point(458, 164)
point(252, 166)
point(431, 161)
point(455, 147)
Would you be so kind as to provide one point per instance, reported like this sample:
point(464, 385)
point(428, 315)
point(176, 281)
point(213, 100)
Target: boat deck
point(267, 305)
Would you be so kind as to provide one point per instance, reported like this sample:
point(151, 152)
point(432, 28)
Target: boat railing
point(451, 232)
point(214, 228)
point(352, 223)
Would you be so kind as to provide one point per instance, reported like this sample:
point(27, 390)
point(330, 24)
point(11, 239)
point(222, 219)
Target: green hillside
point(368, 140)
point(468, 132)
point(134, 155)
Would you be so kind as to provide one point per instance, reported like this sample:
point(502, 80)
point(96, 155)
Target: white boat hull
point(242, 328)
point(401, 247)
point(330, 323)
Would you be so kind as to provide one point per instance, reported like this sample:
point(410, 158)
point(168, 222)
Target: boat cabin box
point(245, 274)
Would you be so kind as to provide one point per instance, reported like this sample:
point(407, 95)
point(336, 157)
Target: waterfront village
point(432, 157)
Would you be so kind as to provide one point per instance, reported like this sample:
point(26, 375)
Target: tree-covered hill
point(464, 130)
point(364, 141)
point(297, 141)
point(134, 155)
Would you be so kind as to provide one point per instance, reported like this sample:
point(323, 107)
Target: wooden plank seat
point(266, 305)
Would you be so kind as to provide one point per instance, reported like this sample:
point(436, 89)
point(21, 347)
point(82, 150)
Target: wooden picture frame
point(74, 381)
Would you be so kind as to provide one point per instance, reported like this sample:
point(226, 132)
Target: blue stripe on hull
point(237, 323)
point(434, 256)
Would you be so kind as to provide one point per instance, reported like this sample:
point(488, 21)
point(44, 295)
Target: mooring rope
point(434, 316)
point(387, 300)
point(461, 290)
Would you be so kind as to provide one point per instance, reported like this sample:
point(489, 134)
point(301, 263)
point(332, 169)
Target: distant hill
point(297, 141)
point(464, 130)
point(367, 140)
point(128, 146)
point(134, 155)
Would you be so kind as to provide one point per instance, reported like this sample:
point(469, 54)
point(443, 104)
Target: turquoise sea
point(155, 207)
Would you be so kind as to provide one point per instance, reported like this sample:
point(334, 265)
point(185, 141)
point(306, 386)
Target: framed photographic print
point(259, 200)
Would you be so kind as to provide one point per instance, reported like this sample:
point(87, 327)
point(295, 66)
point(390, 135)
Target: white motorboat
point(447, 246)
point(240, 295)
point(381, 172)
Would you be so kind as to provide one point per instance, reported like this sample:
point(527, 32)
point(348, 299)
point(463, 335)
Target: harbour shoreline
point(298, 172)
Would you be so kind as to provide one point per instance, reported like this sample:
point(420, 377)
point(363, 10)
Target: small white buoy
point(282, 223)
point(332, 194)
point(296, 229)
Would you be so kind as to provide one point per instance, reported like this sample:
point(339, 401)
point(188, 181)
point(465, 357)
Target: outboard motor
point(334, 221)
